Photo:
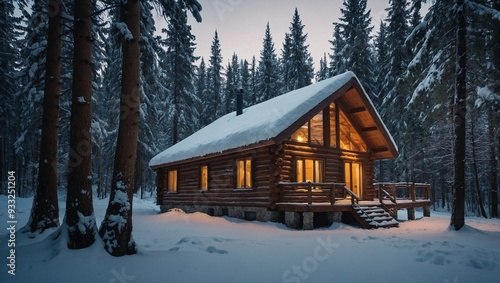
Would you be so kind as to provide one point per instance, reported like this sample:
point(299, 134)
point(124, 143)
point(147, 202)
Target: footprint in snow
point(212, 249)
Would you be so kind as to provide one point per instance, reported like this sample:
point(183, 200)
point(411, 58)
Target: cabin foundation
point(247, 212)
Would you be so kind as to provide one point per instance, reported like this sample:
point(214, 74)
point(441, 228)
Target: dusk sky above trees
point(241, 24)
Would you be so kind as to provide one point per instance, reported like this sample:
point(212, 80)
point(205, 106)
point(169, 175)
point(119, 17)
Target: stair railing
point(354, 197)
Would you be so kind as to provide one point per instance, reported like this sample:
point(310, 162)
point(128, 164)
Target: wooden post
point(427, 211)
point(412, 192)
point(332, 194)
point(411, 213)
point(309, 193)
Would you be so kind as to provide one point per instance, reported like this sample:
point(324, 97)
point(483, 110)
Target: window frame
point(247, 181)
point(204, 178)
point(172, 181)
point(317, 164)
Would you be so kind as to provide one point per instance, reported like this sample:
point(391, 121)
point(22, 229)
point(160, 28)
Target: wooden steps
point(373, 217)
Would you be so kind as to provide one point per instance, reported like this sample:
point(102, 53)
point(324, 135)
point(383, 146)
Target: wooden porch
point(337, 197)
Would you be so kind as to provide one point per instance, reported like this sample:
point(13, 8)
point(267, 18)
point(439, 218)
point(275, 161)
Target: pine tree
point(296, 60)
point(458, 209)
point(382, 58)
point(180, 75)
point(232, 84)
point(214, 104)
point(29, 96)
point(9, 61)
point(268, 71)
point(322, 73)
point(393, 93)
point(355, 29)
point(246, 83)
point(79, 217)
point(201, 89)
point(116, 228)
point(101, 111)
point(337, 60)
point(153, 95)
point(107, 110)
point(45, 210)
point(254, 74)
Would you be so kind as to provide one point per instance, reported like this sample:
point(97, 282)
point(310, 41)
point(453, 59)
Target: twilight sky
point(241, 24)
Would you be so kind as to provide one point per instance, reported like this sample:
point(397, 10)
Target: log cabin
point(304, 158)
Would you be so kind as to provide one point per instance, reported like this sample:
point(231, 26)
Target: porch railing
point(332, 191)
point(402, 191)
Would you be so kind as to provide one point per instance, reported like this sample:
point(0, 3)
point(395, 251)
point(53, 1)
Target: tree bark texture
point(45, 210)
point(80, 219)
point(116, 228)
point(458, 207)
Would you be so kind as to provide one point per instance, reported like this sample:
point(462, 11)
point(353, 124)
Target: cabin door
point(353, 177)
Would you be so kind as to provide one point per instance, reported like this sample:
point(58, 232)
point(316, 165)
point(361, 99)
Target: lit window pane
point(301, 135)
point(204, 178)
point(244, 173)
point(318, 171)
point(333, 125)
point(317, 129)
point(309, 170)
point(349, 137)
point(241, 174)
point(172, 181)
point(248, 174)
point(300, 170)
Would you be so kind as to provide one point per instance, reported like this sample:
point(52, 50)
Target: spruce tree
point(30, 93)
point(214, 105)
point(9, 63)
point(79, 218)
point(297, 60)
point(268, 71)
point(180, 76)
point(245, 81)
point(337, 60)
point(201, 89)
point(355, 29)
point(323, 72)
point(45, 210)
point(232, 84)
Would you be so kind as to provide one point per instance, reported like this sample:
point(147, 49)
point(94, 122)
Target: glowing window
point(350, 139)
point(309, 170)
point(172, 181)
point(333, 126)
point(204, 178)
point(244, 173)
point(311, 131)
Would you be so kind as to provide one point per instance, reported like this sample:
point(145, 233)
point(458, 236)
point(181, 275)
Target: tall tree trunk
point(458, 209)
point(45, 210)
point(80, 219)
point(493, 166)
point(116, 228)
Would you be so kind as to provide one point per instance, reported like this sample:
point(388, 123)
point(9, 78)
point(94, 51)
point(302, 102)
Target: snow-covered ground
point(179, 247)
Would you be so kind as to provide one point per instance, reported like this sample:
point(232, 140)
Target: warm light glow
point(309, 170)
point(204, 178)
point(244, 173)
point(172, 181)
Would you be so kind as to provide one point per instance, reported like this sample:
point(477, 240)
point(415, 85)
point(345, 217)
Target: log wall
point(270, 165)
point(221, 181)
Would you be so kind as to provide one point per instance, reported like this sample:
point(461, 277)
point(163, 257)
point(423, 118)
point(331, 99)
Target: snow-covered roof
point(259, 123)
